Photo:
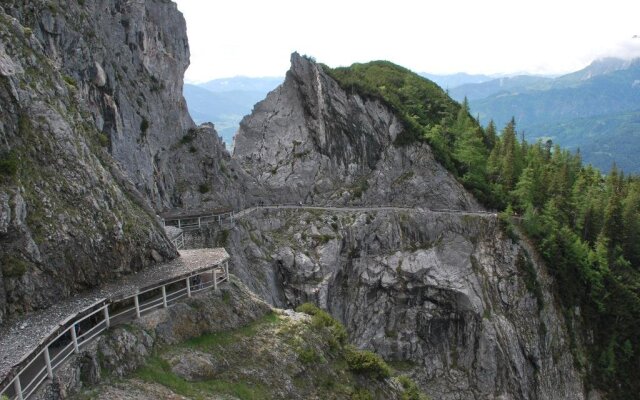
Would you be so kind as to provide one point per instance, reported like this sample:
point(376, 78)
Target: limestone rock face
point(310, 141)
point(470, 311)
point(70, 218)
point(126, 60)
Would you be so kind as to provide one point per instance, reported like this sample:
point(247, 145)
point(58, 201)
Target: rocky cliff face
point(311, 141)
point(471, 312)
point(126, 60)
point(96, 139)
point(468, 310)
point(69, 218)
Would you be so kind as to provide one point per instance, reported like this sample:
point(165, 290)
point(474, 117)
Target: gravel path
point(19, 337)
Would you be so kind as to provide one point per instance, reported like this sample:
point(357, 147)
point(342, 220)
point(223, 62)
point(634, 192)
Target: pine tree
point(631, 232)
point(509, 170)
point(490, 135)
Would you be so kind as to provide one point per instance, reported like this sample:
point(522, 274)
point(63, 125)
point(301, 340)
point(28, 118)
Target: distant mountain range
point(226, 101)
point(454, 80)
point(596, 109)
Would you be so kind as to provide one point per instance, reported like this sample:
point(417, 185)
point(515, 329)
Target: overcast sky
point(256, 37)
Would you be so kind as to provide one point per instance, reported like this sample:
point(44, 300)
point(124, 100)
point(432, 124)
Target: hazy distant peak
point(603, 66)
point(242, 83)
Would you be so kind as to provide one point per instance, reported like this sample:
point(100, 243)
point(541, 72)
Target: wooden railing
point(178, 241)
point(198, 222)
point(78, 330)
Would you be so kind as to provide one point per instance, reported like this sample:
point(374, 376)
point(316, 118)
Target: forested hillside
point(585, 225)
point(595, 109)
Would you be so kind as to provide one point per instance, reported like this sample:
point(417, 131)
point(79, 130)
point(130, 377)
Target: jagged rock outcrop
point(310, 141)
point(470, 310)
point(96, 138)
point(70, 219)
point(126, 60)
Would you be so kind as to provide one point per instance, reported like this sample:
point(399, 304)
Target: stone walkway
point(19, 337)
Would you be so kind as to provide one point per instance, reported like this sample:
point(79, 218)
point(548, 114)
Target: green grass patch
point(411, 391)
point(361, 187)
point(211, 341)
point(159, 371)
point(69, 81)
point(189, 137)
point(322, 319)
point(361, 394)
point(14, 267)
point(204, 188)
point(309, 355)
point(324, 239)
point(402, 366)
point(103, 139)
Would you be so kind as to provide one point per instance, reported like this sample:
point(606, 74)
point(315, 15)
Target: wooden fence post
point(107, 322)
point(17, 387)
point(137, 302)
point(164, 296)
point(74, 337)
point(47, 360)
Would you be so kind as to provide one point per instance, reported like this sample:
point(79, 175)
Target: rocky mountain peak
point(313, 141)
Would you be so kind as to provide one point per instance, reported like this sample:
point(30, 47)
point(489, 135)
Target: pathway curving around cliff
point(30, 346)
point(188, 220)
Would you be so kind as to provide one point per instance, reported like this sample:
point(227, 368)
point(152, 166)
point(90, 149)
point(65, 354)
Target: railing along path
point(195, 221)
point(78, 330)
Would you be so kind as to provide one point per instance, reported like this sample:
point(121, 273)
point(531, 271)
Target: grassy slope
point(278, 356)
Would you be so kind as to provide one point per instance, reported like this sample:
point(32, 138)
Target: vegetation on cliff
point(586, 225)
point(279, 355)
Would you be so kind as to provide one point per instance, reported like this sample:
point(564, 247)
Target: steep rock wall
point(311, 141)
point(126, 59)
point(471, 312)
point(70, 219)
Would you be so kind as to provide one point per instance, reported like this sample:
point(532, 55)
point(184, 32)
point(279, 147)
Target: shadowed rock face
point(70, 217)
point(97, 138)
point(126, 60)
point(472, 312)
point(311, 141)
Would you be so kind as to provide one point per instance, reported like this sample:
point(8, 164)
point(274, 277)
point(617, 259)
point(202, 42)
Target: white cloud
point(255, 38)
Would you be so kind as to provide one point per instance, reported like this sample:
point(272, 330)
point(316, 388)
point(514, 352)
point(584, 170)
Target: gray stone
point(123, 350)
point(194, 366)
point(89, 369)
point(98, 76)
point(441, 291)
point(64, 214)
point(310, 141)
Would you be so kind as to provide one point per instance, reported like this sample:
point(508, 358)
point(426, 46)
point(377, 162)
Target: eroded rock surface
point(471, 311)
point(310, 141)
point(70, 219)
